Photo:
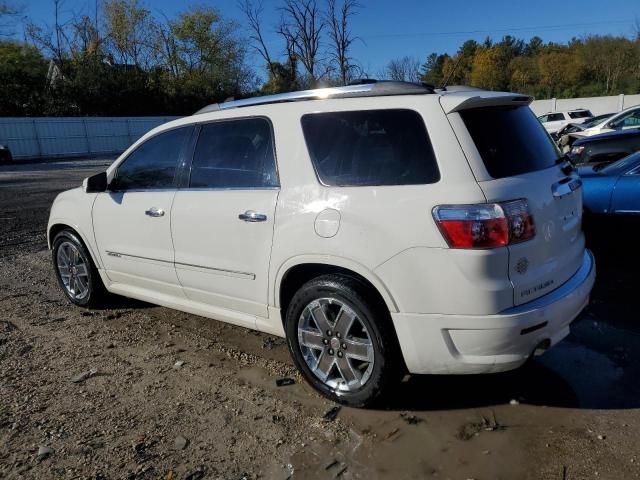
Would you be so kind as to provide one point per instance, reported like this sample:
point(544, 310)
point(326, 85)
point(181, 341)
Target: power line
point(513, 29)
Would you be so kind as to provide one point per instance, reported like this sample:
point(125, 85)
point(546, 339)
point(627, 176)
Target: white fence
point(597, 105)
point(51, 137)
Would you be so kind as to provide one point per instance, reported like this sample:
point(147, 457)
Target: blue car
point(612, 189)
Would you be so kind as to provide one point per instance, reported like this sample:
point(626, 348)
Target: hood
point(606, 136)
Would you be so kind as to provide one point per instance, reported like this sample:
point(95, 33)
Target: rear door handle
point(251, 216)
point(154, 212)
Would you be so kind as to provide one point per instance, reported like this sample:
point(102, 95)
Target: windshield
point(623, 165)
point(596, 120)
point(510, 140)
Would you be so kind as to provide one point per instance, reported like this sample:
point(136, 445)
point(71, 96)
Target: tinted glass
point(554, 117)
point(622, 166)
point(234, 154)
point(596, 120)
point(153, 164)
point(510, 140)
point(373, 147)
point(630, 120)
point(581, 114)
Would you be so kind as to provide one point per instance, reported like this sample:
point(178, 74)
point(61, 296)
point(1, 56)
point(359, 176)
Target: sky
point(390, 29)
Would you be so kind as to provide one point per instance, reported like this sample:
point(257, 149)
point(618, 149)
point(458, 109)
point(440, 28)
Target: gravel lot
point(571, 414)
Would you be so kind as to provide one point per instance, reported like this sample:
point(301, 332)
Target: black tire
point(96, 290)
point(388, 366)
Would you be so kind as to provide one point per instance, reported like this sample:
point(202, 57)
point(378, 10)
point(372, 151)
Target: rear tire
point(76, 273)
point(342, 341)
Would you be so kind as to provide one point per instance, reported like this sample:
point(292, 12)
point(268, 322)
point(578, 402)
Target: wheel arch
point(297, 271)
point(58, 226)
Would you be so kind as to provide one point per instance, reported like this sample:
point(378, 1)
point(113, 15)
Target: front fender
point(73, 209)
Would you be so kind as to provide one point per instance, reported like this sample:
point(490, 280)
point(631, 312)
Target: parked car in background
point(612, 190)
point(554, 121)
point(380, 228)
point(605, 148)
point(5, 154)
point(563, 137)
point(624, 120)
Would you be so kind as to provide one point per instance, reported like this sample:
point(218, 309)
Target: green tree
point(129, 27)
point(488, 69)
point(23, 73)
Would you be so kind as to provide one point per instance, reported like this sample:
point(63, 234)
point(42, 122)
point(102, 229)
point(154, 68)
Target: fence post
point(86, 135)
point(621, 102)
point(37, 137)
point(129, 131)
point(554, 102)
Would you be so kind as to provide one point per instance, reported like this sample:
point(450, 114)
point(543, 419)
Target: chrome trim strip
point(206, 189)
point(222, 271)
point(252, 276)
point(627, 211)
point(119, 255)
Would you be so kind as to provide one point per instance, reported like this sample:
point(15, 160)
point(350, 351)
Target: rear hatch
point(513, 157)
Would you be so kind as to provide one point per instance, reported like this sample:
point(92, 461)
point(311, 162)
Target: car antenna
point(453, 70)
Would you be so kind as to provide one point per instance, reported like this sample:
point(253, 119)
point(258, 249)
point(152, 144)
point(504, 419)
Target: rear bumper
point(464, 344)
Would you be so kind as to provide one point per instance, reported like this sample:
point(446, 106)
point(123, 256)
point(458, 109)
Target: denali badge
point(522, 265)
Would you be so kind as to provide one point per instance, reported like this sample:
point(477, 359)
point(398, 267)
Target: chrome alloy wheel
point(73, 271)
point(335, 344)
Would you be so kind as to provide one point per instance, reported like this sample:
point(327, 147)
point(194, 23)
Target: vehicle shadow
point(596, 367)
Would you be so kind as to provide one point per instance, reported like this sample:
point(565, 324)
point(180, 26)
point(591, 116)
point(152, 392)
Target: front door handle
point(154, 212)
point(251, 216)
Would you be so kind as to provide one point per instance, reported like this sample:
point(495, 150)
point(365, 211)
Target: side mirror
point(96, 183)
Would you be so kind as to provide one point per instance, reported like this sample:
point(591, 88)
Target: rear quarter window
point(510, 140)
point(370, 147)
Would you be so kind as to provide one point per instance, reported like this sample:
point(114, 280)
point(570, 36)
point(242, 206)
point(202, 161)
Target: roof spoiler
point(459, 101)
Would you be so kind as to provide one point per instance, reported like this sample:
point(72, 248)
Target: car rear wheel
point(341, 340)
point(76, 273)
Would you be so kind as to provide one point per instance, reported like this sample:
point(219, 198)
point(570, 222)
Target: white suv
point(381, 228)
point(554, 121)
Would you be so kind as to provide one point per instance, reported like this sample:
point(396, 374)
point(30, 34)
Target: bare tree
point(52, 40)
point(301, 26)
point(8, 11)
point(253, 12)
point(340, 35)
point(405, 69)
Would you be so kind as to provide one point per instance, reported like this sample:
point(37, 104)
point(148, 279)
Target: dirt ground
point(571, 414)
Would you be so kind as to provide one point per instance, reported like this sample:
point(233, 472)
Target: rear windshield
point(510, 140)
point(581, 114)
point(372, 147)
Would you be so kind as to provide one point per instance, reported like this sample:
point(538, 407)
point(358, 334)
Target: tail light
point(488, 225)
point(577, 150)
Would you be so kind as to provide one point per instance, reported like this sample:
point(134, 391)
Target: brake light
point(577, 150)
point(488, 225)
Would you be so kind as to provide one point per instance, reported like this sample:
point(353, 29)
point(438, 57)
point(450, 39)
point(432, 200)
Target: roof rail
point(372, 88)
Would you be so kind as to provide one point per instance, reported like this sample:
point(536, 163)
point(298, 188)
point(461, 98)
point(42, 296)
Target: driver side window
point(154, 163)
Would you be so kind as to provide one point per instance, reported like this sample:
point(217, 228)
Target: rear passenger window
point(555, 117)
point(372, 147)
point(234, 154)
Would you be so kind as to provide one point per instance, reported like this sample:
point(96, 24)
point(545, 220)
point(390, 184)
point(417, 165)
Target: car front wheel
point(75, 271)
